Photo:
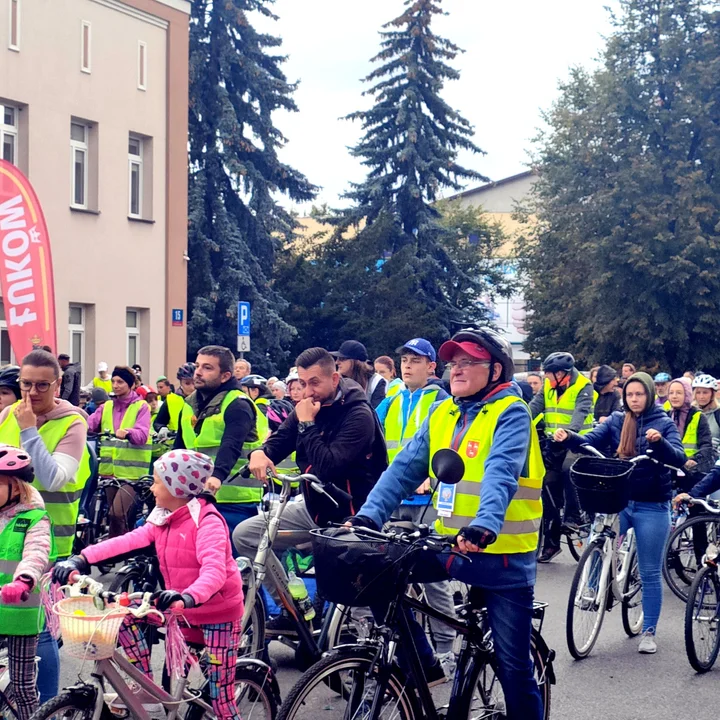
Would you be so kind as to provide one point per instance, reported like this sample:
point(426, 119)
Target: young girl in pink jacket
point(192, 543)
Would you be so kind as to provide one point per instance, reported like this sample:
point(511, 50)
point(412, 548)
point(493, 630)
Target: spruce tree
point(236, 82)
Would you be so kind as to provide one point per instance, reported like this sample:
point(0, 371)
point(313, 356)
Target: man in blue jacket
point(495, 511)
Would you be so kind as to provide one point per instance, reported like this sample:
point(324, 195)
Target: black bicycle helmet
point(254, 381)
point(498, 346)
point(9, 378)
point(186, 371)
point(559, 362)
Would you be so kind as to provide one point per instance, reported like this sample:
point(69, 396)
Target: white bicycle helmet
point(705, 381)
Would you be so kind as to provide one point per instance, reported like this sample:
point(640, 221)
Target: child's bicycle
point(91, 623)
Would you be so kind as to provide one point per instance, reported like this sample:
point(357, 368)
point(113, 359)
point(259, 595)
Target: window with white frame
point(135, 179)
point(7, 357)
point(142, 65)
point(132, 330)
point(79, 161)
point(76, 328)
point(14, 26)
point(9, 133)
point(85, 46)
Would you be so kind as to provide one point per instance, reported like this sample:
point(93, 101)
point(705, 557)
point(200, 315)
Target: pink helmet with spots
point(184, 472)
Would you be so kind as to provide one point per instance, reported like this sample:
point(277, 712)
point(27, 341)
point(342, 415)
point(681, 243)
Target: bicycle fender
point(265, 673)
point(547, 654)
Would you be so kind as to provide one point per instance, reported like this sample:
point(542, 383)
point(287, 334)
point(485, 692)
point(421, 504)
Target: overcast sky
point(515, 53)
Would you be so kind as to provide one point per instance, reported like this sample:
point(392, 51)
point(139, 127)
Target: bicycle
point(702, 612)
point(575, 534)
point(95, 637)
point(364, 680)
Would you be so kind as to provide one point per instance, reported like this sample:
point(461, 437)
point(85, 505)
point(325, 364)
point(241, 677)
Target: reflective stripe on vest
point(519, 533)
point(120, 458)
point(175, 405)
point(690, 438)
point(62, 505)
point(558, 412)
point(397, 436)
point(28, 616)
point(243, 490)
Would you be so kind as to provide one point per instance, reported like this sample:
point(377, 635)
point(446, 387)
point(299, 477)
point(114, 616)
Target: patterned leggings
point(21, 654)
point(221, 643)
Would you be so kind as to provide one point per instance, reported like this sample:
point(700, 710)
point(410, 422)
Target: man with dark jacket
point(605, 386)
point(336, 436)
point(70, 385)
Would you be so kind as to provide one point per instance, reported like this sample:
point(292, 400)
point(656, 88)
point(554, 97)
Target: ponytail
point(626, 448)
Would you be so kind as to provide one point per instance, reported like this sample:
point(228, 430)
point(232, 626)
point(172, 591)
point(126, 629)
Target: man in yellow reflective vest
point(494, 512)
point(222, 422)
point(169, 414)
point(54, 433)
point(566, 402)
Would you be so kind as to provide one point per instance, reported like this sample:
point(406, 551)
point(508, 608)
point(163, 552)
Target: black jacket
point(345, 447)
point(70, 385)
point(607, 404)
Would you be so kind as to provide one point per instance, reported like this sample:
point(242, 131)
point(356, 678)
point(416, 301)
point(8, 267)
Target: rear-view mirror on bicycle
point(448, 467)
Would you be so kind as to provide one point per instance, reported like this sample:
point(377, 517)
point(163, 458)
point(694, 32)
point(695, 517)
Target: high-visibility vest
point(26, 617)
point(394, 387)
point(175, 405)
point(119, 458)
point(690, 437)
point(519, 533)
point(666, 406)
point(559, 411)
point(106, 385)
point(61, 505)
point(208, 442)
point(397, 436)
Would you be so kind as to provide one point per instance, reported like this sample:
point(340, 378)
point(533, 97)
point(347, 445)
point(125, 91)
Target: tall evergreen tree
point(236, 82)
point(624, 259)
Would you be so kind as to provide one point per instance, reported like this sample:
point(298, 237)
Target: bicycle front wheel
point(632, 611)
point(586, 605)
point(702, 638)
point(343, 685)
point(69, 705)
point(252, 643)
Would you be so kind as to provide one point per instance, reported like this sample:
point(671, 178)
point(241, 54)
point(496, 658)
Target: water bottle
point(300, 595)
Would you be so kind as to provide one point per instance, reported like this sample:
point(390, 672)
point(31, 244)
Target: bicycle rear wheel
point(69, 705)
point(252, 643)
point(577, 541)
point(632, 611)
point(702, 617)
point(353, 673)
point(586, 607)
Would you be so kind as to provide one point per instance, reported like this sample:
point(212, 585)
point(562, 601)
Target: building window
point(132, 329)
point(9, 133)
point(79, 159)
point(76, 326)
point(14, 39)
point(85, 47)
point(142, 65)
point(135, 171)
point(7, 357)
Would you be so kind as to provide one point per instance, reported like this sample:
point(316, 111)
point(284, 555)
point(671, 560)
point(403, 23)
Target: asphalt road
point(614, 682)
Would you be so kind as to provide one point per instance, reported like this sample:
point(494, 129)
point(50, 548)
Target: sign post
point(243, 328)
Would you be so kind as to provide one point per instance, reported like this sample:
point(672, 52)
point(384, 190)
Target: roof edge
point(490, 185)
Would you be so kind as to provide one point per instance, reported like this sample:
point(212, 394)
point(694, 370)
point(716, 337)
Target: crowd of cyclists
point(213, 437)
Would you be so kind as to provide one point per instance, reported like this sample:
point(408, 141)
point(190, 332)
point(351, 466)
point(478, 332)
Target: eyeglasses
point(41, 387)
point(465, 364)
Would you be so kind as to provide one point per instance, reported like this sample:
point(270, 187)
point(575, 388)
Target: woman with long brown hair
point(641, 427)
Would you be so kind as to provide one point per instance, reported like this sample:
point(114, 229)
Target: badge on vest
point(446, 500)
point(472, 448)
point(22, 525)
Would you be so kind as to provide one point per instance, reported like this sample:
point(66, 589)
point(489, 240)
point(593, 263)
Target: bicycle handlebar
point(590, 450)
point(711, 508)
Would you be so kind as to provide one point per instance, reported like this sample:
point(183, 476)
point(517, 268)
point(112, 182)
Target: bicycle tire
point(632, 625)
point(69, 700)
point(677, 572)
point(128, 581)
point(252, 644)
point(705, 580)
point(582, 651)
point(540, 665)
point(577, 542)
point(351, 659)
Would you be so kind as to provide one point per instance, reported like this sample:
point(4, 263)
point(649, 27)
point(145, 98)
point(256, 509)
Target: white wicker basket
point(92, 634)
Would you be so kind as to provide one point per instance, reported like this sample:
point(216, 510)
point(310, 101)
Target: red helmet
point(12, 460)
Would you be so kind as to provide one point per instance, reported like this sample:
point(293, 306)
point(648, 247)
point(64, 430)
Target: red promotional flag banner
point(26, 275)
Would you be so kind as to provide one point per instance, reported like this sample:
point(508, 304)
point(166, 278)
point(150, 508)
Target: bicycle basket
point(357, 571)
point(86, 631)
point(602, 484)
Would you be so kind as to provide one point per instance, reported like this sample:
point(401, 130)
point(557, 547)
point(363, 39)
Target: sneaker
point(448, 661)
point(647, 645)
point(281, 624)
point(548, 554)
point(435, 674)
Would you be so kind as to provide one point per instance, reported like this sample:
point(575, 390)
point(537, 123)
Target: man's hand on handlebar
point(561, 435)
point(678, 500)
point(212, 485)
point(259, 464)
point(360, 521)
point(472, 539)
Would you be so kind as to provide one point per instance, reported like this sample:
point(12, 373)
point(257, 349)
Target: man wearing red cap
point(494, 512)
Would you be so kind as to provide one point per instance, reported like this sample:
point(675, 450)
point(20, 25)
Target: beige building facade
point(93, 109)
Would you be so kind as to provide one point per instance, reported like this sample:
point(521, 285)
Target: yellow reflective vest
point(519, 533)
point(175, 405)
point(62, 505)
point(690, 437)
point(119, 458)
point(106, 385)
point(559, 411)
point(399, 430)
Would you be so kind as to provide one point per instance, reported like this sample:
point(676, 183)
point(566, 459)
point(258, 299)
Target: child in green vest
point(25, 549)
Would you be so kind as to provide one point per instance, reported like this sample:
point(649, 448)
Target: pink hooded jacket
point(195, 558)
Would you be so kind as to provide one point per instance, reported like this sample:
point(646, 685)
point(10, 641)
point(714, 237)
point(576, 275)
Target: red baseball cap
point(449, 348)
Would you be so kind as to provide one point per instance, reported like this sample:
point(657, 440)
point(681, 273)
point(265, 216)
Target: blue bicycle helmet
point(662, 377)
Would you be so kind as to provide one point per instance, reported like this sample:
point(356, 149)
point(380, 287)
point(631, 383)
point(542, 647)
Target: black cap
point(351, 350)
point(605, 375)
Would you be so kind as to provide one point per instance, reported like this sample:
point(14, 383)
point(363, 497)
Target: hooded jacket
point(649, 481)
point(70, 383)
point(345, 447)
point(137, 435)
